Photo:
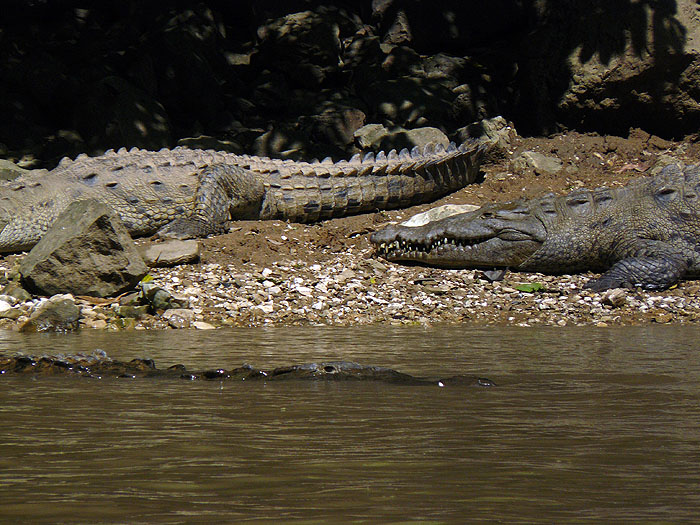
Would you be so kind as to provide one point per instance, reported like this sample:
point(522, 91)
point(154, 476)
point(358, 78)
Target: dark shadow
point(599, 32)
point(147, 73)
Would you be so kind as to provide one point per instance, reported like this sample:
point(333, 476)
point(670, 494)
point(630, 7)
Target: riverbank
point(276, 273)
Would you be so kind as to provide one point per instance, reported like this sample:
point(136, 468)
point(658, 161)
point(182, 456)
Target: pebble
point(201, 325)
point(353, 289)
point(179, 317)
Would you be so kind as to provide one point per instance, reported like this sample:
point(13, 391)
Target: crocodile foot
point(186, 229)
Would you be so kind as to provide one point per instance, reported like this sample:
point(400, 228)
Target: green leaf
point(530, 287)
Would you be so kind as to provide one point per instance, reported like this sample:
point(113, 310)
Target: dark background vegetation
point(85, 76)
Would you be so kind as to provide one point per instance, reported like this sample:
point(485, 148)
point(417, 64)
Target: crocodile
point(645, 234)
point(99, 365)
point(186, 193)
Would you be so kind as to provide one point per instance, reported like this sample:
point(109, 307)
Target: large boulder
point(87, 251)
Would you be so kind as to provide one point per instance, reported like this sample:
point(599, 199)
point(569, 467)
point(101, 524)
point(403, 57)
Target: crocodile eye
point(578, 201)
point(666, 194)
point(90, 178)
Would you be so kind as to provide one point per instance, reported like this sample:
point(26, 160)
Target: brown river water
point(593, 425)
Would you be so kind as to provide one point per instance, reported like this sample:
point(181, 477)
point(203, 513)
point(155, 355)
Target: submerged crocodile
point(646, 234)
point(99, 365)
point(184, 193)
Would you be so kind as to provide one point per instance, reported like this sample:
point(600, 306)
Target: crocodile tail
point(309, 192)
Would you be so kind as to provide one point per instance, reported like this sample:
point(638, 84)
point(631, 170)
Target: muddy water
point(585, 424)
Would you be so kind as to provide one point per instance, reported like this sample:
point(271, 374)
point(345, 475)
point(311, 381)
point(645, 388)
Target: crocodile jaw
point(453, 253)
point(463, 241)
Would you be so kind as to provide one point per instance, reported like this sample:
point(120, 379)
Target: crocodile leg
point(649, 272)
point(225, 192)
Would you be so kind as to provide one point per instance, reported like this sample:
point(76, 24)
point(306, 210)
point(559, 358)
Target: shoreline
point(265, 273)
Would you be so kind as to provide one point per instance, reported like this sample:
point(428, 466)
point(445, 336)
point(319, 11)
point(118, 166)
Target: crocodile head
point(498, 235)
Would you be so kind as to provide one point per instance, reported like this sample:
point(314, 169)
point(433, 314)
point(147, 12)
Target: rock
point(408, 138)
point(97, 324)
point(87, 251)
point(13, 289)
point(9, 299)
point(400, 30)
point(663, 317)
point(117, 111)
point(407, 102)
point(132, 311)
point(538, 162)
point(495, 129)
point(305, 45)
point(179, 317)
point(171, 253)
point(8, 312)
point(160, 299)
point(263, 309)
point(616, 297)
point(610, 70)
point(201, 325)
point(370, 136)
point(283, 141)
point(437, 213)
point(58, 314)
point(334, 127)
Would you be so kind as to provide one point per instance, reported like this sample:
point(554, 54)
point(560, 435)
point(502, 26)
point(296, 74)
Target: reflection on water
point(598, 424)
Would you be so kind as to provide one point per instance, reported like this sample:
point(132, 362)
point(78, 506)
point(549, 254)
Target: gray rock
point(437, 213)
point(333, 127)
point(496, 129)
point(376, 136)
point(171, 253)
point(408, 138)
point(57, 314)
point(408, 102)
point(306, 45)
point(135, 312)
point(538, 162)
point(370, 136)
point(160, 299)
point(87, 251)
point(179, 317)
point(13, 289)
point(616, 297)
point(7, 311)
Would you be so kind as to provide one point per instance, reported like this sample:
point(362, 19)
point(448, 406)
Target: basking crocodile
point(646, 234)
point(186, 193)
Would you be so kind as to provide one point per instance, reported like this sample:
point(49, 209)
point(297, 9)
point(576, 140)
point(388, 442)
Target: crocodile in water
point(185, 193)
point(646, 234)
point(99, 365)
